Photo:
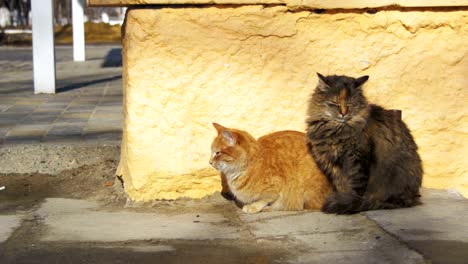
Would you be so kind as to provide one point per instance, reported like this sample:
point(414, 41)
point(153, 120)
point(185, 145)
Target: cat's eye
point(332, 104)
point(217, 153)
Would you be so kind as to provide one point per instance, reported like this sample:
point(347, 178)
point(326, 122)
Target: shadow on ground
point(113, 58)
point(201, 252)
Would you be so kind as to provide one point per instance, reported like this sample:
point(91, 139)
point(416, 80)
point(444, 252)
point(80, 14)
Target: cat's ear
point(229, 137)
point(218, 127)
point(322, 85)
point(361, 80)
point(227, 134)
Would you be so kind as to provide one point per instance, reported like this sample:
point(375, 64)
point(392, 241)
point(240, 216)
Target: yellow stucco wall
point(253, 67)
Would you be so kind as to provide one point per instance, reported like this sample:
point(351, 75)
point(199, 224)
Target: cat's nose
point(211, 161)
point(343, 111)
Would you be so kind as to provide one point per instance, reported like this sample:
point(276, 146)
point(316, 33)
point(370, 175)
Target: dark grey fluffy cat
point(367, 152)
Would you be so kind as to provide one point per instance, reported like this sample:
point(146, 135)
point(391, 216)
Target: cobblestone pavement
point(87, 106)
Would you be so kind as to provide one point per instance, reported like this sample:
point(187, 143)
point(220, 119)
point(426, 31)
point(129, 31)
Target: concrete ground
point(213, 230)
point(48, 135)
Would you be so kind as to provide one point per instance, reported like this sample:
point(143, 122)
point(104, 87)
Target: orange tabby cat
point(274, 172)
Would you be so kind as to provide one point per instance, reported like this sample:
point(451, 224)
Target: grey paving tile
point(48, 111)
point(55, 104)
point(80, 104)
point(62, 130)
point(4, 107)
point(8, 223)
point(39, 119)
point(104, 136)
point(111, 103)
point(26, 134)
point(64, 134)
point(62, 139)
point(28, 130)
point(29, 102)
point(3, 132)
point(99, 117)
point(69, 113)
point(103, 128)
point(49, 108)
point(20, 109)
point(93, 91)
point(22, 140)
point(80, 109)
point(109, 108)
point(84, 103)
point(61, 97)
point(10, 119)
point(71, 121)
point(9, 100)
point(79, 115)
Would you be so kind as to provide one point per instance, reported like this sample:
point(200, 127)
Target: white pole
point(43, 46)
point(78, 30)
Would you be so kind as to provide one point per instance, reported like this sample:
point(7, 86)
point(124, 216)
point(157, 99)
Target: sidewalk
point(213, 230)
point(87, 107)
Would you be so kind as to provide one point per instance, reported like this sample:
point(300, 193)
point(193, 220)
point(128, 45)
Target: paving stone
point(111, 127)
point(27, 132)
point(13, 140)
point(8, 224)
point(49, 108)
point(438, 228)
point(83, 87)
point(20, 109)
point(69, 139)
point(88, 98)
point(39, 119)
point(80, 109)
point(79, 115)
point(332, 238)
point(8, 119)
point(29, 102)
point(55, 104)
point(78, 220)
point(112, 98)
point(8, 100)
point(71, 120)
point(49, 111)
point(4, 107)
point(61, 99)
point(62, 130)
point(99, 118)
point(109, 108)
point(107, 137)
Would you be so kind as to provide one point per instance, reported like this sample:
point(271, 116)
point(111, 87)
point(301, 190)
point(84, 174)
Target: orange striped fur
point(274, 172)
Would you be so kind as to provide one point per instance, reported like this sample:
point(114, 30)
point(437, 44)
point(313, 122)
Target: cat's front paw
point(251, 209)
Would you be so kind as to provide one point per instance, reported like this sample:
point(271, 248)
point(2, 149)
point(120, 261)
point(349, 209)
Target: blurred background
point(102, 25)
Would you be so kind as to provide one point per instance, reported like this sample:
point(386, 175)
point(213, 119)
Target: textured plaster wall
point(253, 67)
point(327, 4)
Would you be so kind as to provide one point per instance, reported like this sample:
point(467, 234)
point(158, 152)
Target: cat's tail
point(349, 203)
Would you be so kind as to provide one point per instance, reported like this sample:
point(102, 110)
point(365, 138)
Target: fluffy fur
point(274, 172)
point(367, 153)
